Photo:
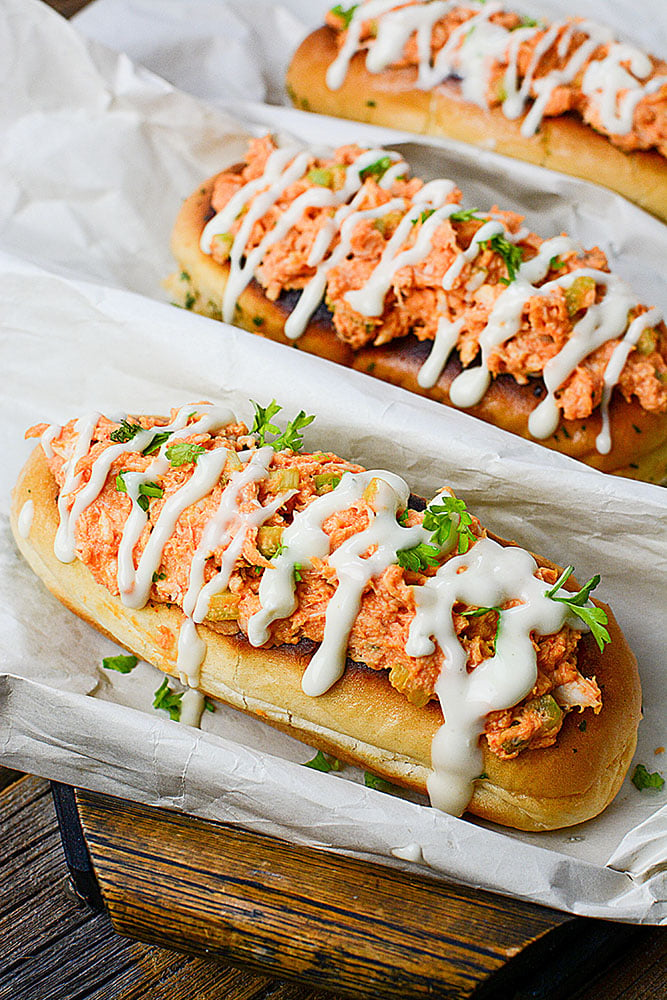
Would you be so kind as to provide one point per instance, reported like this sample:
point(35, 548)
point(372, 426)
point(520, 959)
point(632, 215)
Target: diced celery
point(269, 540)
point(648, 341)
point(326, 482)
point(578, 292)
point(223, 607)
point(320, 176)
point(233, 463)
point(222, 244)
point(284, 479)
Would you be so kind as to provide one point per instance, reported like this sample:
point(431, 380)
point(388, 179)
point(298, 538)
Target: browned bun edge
point(362, 719)
point(639, 438)
point(565, 143)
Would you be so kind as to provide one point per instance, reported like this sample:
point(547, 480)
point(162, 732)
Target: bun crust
point(392, 98)
point(362, 719)
point(639, 438)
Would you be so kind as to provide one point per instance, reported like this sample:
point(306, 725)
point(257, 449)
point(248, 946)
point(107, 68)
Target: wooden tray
point(359, 929)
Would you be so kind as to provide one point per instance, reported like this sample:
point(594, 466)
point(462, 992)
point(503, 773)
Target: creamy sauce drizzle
point(411, 852)
point(473, 45)
point(284, 167)
point(485, 576)
point(25, 518)
point(601, 322)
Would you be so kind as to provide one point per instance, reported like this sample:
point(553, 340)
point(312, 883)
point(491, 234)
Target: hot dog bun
point(362, 719)
point(392, 98)
point(639, 437)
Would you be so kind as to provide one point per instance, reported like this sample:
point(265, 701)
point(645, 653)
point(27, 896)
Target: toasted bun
point(639, 438)
point(565, 143)
point(362, 719)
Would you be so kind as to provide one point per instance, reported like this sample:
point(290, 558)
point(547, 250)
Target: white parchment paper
point(96, 157)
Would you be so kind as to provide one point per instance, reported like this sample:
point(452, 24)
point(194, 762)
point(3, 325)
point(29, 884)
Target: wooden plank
point(52, 947)
point(331, 921)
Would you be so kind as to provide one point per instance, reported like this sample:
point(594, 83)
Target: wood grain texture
point(333, 922)
point(52, 947)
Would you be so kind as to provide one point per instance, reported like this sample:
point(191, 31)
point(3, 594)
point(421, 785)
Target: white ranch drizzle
point(218, 533)
point(411, 852)
point(192, 708)
point(369, 299)
point(602, 321)
point(282, 171)
point(444, 342)
point(305, 539)
point(486, 576)
point(25, 518)
point(615, 367)
point(64, 545)
point(473, 45)
point(46, 438)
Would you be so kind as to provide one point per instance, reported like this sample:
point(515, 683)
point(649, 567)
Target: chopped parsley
point(418, 557)
point(297, 573)
point(290, 438)
point(464, 215)
point(423, 216)
point(125, 432)
point(145, 491)
point(511, 254)
point(379, 784)
point(208, 705)
point(376, 169)
point(183, 452)
point(344, 14)
point(323, 762)
point(158, 576)
point(594, 617)
point(439, 519)
point(157, 442)
point(642, 779)
point(556, 264)
point(123, 663)
point(168, 700)
point(478, 612)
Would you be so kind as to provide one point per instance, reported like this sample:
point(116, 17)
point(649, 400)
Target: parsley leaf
point(379, 784)
point(595, 618)
point(418, 557)
point(168, 700)
point(423, 216)
point(641, 779)
point(183, 452)
point(209, 706)
point(464, 215)
point(125, 432)
point(478, 612)
point(511, 254)
point(146, 490)
point(157, 442)
point(289, 438)
point(376, 169)
point(123, 663)
point(323, 762)
point(343, 14)
point(297, 573)
point(262, 425)
point(438, 519)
